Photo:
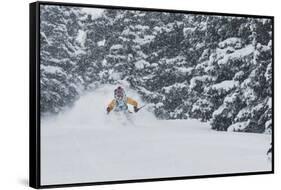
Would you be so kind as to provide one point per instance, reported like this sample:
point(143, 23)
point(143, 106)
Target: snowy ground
point(86, 145)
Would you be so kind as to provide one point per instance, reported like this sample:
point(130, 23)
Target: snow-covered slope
point(86, 145)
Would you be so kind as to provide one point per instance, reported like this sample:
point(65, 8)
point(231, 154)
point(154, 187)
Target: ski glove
point(136, 109)
point(107, 110)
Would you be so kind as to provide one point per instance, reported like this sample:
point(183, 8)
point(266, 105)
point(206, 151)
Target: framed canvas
point(123, 94)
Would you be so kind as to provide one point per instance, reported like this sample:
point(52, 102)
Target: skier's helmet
point(119, 93)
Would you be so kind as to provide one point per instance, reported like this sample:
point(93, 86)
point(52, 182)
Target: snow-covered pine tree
point(256, 115)
point(60, 86)
point(91, 65)
point(244, 105)
point(165, 74)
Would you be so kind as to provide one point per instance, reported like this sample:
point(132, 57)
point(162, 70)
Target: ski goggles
point(119, 93)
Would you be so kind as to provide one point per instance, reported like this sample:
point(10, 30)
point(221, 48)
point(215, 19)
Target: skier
point(121, 101)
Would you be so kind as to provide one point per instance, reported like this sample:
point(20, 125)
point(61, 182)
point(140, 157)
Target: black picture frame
point(34, 95)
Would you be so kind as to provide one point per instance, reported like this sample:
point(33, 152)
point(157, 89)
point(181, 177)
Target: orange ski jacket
point(128, 100)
